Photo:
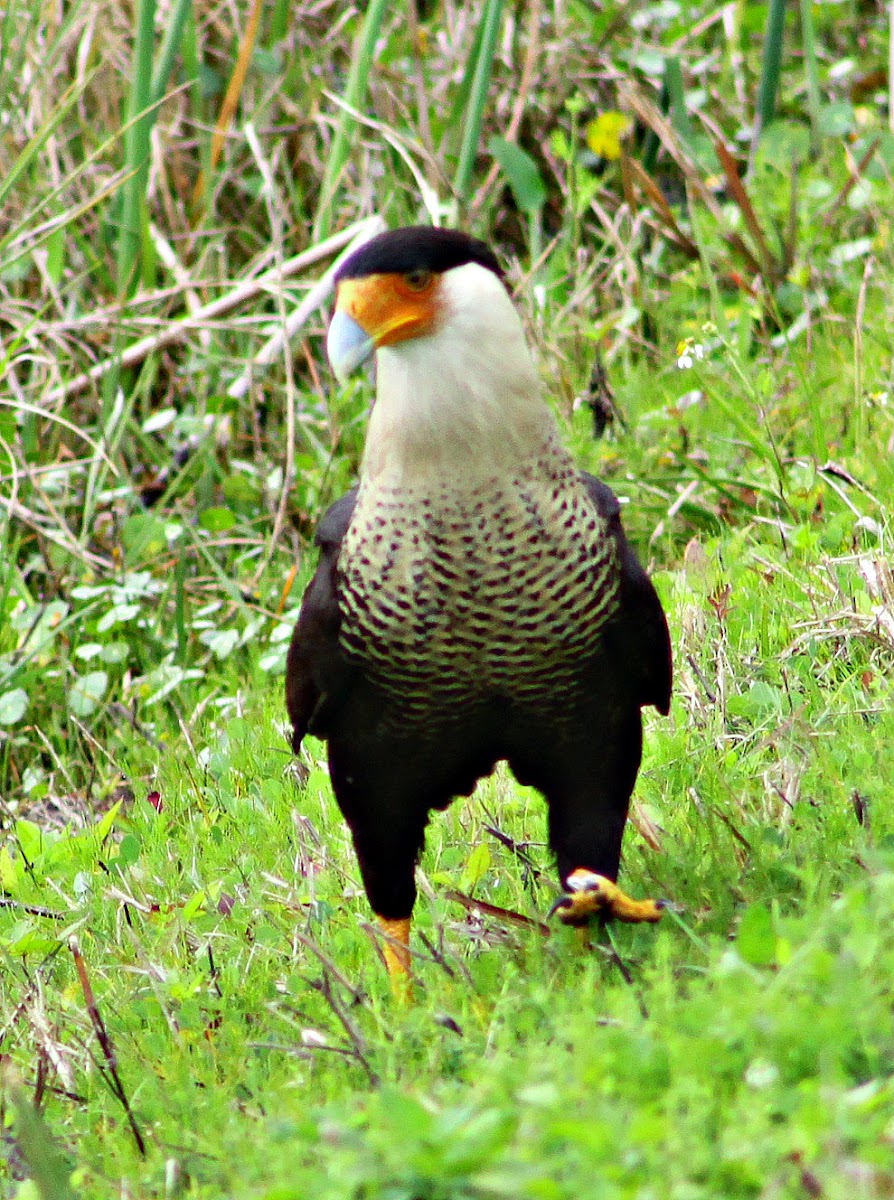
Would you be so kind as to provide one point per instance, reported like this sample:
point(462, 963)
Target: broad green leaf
point(105, 825)
point(164, 679)
point(522, 174)
point(117, 616)
point(217, 520)
point(128, 851)
point(194, 905)
point(13, 706)
point(221, 642)
point(143, 536)
point(115, 652)
point(756, 937)
point(27, 939)
point(88, 650)
point(31, 838)
point(837, 119)
point(85, 694)
point(9, 872)
point(159, 420)
point(39, 622)
point(476, 867)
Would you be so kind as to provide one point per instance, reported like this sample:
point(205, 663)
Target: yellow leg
point(396, 949)
point(589, 894)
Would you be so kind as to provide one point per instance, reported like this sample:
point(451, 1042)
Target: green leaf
point(837, 120)
point(758, 702)
point(756, 936)
point(217, 520)
point(9, 872)
point(161, 681)
point(239, 489)
point(117, 616)
point(195, 904)
point(405, 1115)
point(13, 706)
point(221, 642)
point(522, 174)
point(103, 829)
point(26, 939)
point(85, 695)
point(476, 868)
point(143, 536)
point(128, 851)
point(31, 838)
point(88, 650)
point(115, 652)
point(159, 420)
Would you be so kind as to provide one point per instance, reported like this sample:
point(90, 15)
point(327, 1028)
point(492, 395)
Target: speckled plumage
point(476, 598)
point(452, 596)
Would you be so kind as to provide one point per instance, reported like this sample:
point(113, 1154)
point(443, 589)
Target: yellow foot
point(590, 894)
point(396, 949)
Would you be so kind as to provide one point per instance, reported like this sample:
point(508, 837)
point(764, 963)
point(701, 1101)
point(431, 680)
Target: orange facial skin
point(391, 308)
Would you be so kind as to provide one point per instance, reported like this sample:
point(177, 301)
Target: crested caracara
point(476, 598)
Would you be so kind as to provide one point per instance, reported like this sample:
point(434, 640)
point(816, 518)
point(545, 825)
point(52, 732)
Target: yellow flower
point(605, 133)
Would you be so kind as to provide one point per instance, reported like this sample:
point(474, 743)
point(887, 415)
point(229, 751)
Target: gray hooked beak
point(347, 344)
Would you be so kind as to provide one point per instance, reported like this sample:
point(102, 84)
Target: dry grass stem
point(250, 289)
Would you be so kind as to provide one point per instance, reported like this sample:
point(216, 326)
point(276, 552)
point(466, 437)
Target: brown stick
point(105, 1043)
point(852, 180)
point(506, 915)
point(178, 330)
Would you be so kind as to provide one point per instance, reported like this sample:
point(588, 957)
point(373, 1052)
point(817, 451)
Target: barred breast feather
point(454, 596)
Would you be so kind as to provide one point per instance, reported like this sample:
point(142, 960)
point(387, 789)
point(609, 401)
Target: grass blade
point(770, 68)
point(34, 146)
point(635, 173)
point(141, 117)
point(490, 27)
point(48, 1168)
point(811, 69)
point(676, 95)
point(170, 47)
point(355, 92)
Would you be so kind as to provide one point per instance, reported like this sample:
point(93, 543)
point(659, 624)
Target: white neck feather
point(462, 403)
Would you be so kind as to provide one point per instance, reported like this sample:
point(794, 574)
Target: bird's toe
point(590, 894)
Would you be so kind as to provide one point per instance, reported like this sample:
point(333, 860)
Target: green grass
point(159, 844)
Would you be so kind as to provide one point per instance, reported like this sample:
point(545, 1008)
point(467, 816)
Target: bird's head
point(400, 286)
point(455, 381)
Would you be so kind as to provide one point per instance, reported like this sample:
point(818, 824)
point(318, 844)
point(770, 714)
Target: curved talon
point(590, 894)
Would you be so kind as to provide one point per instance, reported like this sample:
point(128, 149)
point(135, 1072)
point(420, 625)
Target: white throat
point(462, 403)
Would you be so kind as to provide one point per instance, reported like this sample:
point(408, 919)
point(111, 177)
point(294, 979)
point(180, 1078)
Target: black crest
point(418, 247)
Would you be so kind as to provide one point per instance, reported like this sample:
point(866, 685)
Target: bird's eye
point(419, 279)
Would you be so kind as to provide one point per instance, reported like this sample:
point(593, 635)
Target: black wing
point(317, 671)
point(641, 626)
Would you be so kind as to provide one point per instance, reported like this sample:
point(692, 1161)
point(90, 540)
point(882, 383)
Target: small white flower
point(689, 352)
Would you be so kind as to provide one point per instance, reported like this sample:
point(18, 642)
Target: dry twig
point(247, 290)
point(105, 1042)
